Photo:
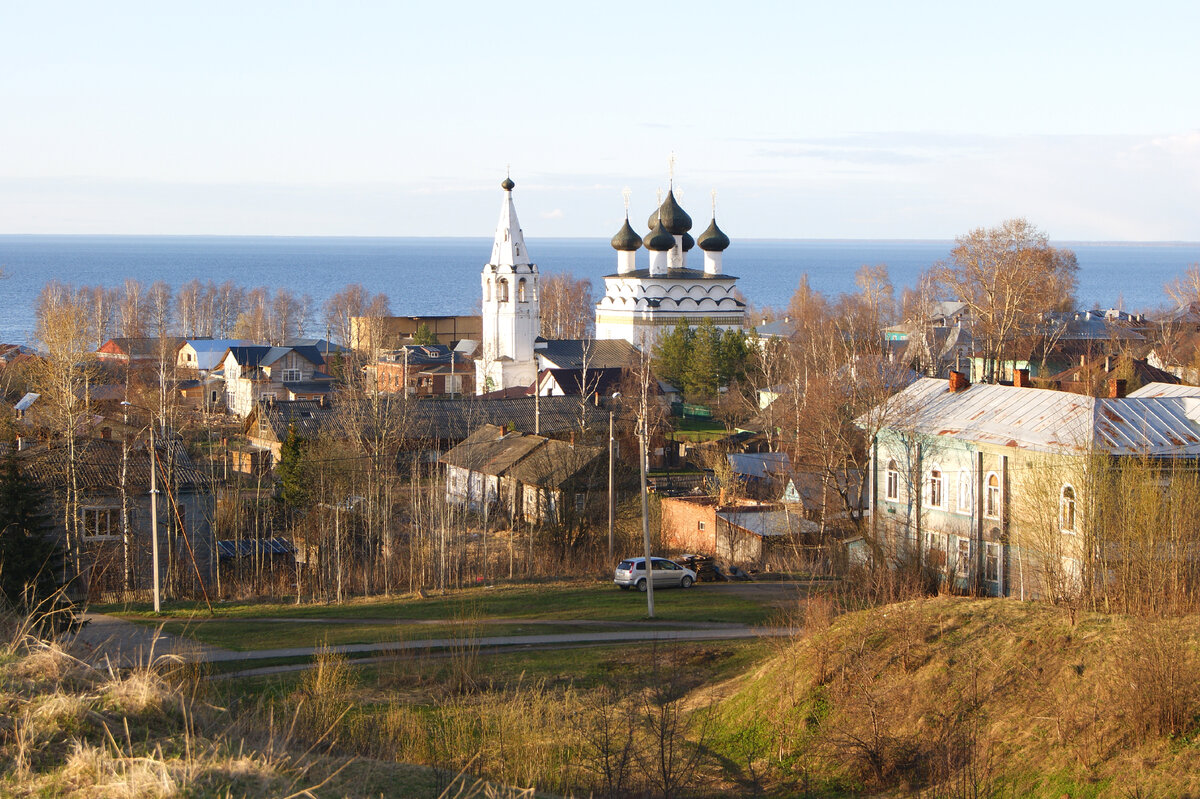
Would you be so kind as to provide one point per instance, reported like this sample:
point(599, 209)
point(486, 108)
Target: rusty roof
point(1051, 421)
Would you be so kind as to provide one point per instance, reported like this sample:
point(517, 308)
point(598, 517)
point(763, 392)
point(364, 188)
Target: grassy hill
point(972, 698)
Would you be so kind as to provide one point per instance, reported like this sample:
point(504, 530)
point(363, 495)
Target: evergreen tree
point(293, 472)
point(671, 355)
point(733, 353)
point(424, 335)
point(28, 555)
point(702, 377)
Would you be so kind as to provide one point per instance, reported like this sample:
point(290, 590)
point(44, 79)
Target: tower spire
point(508, 249)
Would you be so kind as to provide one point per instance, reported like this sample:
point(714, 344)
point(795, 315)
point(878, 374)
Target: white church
point(638, 304)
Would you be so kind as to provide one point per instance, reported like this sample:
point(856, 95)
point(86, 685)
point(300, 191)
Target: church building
point(511, 315)
point(641, 304)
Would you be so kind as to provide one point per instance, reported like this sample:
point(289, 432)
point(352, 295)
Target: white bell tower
point(511, 315)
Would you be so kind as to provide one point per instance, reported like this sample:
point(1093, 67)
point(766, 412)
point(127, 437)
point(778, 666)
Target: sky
point(809, 120)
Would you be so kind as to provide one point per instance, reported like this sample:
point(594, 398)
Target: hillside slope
point(979, 698)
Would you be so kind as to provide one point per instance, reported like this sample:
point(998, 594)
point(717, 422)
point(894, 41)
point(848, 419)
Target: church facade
point(640, 304)
point(511, 317)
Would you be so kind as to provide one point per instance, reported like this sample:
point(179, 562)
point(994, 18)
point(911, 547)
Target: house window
point(991, 507)
point(893, 481)
point(1067, 509)
point(991, 562)
point(965, 490)
point(101, 524)
point(936, 493)
point(699, 525)
point(580, 499)
point(962, 558)
point(291, 375)
point(935, 550)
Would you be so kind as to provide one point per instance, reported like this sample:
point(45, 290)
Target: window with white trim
point(100, 524)
point(991, 506)
point(290, 375)
point(966, 489)
point(962, 558)
point(991, 562)
point(893, 481)
point(937, 493)
point(1067, 509)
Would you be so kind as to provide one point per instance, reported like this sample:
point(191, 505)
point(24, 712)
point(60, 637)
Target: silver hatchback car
point(631, 573)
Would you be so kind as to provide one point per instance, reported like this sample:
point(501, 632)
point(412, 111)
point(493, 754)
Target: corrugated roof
point(768, 523)
point(532, 460)
point(1050, 421)
point(759, 464)
point(1165, 390)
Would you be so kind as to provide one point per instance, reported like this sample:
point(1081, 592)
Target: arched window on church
point(502, 290)
point(521, 291)
point(487, 290)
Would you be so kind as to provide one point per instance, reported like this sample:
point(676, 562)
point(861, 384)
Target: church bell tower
point(511, 314)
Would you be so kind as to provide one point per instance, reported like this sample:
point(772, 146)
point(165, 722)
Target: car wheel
point(641, 585)
point(686, 582)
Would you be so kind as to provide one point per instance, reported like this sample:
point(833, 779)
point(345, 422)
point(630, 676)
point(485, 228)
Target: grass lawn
point(697, 430)
point(252, 635)
point(584, 667)
point(566, 601)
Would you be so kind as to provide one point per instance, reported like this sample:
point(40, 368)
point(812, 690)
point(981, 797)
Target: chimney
point(1021, 378)
point(958, 382)
point(1116, 388)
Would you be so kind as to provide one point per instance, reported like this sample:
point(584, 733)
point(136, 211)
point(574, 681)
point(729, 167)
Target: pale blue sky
point(812, 120)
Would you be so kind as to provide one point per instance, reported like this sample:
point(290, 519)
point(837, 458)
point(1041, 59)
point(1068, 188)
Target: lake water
point(441, 276)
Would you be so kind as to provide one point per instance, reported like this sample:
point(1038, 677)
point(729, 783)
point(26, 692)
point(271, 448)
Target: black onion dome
point(652, 222)
point(658, 239)
point(712, 239)
point(626, 239)
point(674, 218)
point(508, 185)
point(688, 242)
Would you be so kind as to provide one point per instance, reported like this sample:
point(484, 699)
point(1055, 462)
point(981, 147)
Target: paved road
point(125, 644)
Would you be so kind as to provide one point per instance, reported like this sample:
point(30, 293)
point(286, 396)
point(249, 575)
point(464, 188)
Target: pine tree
point(28, 555)
point(671, 354)
point(702, 377)
point(293, 472)
point(732, 355)
point(424, 335)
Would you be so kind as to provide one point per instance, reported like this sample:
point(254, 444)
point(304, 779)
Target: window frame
point(892, 482)
point(992, 503)
point(937, 487)
point(966, 491)
point(1068, 505)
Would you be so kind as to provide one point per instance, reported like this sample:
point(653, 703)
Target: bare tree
point(567, 305)
point(1007, 276)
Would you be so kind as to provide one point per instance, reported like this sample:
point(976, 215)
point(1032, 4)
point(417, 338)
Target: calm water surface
point(441, 275)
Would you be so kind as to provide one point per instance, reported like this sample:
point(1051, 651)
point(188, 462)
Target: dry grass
point(965, 697)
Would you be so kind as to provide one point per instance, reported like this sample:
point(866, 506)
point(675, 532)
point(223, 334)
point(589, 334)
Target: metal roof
point(1049, 421)
point(767, 523)
point(1165, 390)
point(25, 401)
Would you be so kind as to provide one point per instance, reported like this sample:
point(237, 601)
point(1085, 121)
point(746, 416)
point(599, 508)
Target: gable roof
point(601, 353)
point(98, 466)
point(259, 355)
point(530, 459)
point(577, 382)
point(1049, 421)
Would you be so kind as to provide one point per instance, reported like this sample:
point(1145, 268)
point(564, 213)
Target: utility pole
point(646, 518)
point(611, 497)
point(154, 520)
